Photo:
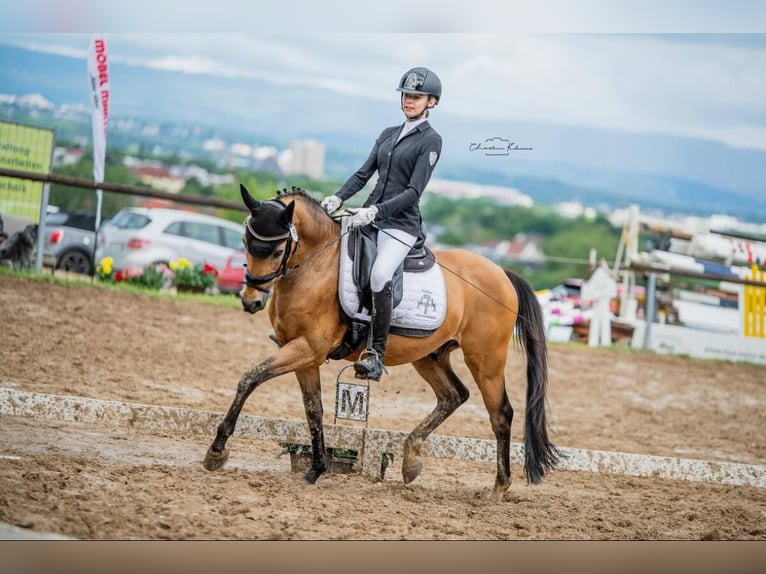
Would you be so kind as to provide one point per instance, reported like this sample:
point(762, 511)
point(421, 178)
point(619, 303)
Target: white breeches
point(393, 247)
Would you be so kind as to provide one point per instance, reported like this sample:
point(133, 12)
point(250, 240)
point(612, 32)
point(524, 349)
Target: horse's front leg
point(294, 355)
point(311, 390)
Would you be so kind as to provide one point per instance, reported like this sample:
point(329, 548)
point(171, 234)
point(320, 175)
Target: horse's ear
point(286, 216)
point(250, 201)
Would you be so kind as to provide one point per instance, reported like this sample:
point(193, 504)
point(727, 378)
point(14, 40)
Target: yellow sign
point(754, 305)
point(25, 148)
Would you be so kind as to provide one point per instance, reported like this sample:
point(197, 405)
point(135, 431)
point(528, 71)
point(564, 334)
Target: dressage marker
point(352, 400)
point(372, 443)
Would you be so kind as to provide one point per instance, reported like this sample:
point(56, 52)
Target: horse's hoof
point(498, 492)
point(215, 460)
point(411, 469)
point(312, 475)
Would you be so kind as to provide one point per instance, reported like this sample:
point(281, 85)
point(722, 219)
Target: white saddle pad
point(424, 298)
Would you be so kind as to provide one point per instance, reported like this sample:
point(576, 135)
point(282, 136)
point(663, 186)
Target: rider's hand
point(331, 203)
point(364, 216)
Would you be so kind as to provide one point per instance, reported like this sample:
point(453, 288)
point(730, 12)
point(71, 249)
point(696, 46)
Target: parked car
point(141, 236)
point(232, 275)
point(69, 241)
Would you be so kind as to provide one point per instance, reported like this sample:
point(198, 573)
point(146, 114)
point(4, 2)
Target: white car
point(141, 236)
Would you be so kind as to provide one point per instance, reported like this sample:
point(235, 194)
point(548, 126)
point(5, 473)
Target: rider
point(404, 157)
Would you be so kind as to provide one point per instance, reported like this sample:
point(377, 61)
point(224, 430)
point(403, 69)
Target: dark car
point(70, 241)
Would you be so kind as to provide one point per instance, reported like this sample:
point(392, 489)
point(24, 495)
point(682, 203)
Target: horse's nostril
point(252, 306)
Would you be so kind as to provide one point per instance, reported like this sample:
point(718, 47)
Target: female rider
point(404, 157)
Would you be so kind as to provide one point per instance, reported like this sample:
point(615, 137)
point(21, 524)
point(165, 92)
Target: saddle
point(419, 291)
point(362, 249)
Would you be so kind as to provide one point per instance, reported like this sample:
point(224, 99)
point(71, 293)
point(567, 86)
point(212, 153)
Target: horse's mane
point(284, 192)
point(313, 204)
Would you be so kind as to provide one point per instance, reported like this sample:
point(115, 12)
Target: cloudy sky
point(706, 84)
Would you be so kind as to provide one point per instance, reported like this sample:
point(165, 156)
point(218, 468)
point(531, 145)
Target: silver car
point(141, 236)
point(69, 240)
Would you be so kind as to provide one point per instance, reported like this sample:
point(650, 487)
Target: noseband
point(283, 270)
point(255, 281)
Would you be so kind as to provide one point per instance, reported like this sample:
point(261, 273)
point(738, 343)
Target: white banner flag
point(98, 77)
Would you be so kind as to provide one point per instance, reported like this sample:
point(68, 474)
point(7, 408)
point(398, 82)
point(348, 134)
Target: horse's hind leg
point(450, 394)
point(489, 375)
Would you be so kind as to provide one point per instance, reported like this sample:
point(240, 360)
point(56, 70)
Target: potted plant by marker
point(192, 278)
point(339, 460)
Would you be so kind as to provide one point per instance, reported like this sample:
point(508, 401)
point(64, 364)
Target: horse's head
point(269, 237)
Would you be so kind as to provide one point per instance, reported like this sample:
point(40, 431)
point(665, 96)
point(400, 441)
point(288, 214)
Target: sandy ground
point(96, 482)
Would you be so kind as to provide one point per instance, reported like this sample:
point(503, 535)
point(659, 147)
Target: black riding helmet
point(421, 81)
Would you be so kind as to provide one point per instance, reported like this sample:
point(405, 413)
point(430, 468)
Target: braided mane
point(312, 203)
point(284, 192)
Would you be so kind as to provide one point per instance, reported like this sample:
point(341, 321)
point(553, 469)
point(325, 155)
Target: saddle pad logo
point(426, 305)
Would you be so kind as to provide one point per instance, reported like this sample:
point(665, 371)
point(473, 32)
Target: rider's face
point(415, 104)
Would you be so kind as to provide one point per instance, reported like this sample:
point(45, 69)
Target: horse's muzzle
point(251, 304)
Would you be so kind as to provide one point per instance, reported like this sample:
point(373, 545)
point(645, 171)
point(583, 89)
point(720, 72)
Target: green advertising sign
point(25, 148)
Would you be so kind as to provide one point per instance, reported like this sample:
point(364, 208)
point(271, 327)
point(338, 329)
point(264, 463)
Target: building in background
point(307, 158)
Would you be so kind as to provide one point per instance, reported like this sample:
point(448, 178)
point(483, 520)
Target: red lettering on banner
point(103, 74)
point(105, 106)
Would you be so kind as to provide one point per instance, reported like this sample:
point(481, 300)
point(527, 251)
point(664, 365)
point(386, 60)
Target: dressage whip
point(453, 272)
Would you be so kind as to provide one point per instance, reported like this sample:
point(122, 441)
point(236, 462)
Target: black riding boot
point(370, 364)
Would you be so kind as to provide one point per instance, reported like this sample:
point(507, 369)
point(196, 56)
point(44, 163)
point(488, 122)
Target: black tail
point(540, 455)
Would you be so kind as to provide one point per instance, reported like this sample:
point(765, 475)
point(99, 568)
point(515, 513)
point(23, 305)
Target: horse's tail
point(540, 454)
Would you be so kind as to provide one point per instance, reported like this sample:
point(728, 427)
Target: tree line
point(565, 241)
point(473, 222)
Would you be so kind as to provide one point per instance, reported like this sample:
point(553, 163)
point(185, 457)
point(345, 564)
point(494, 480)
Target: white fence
point(370, 443)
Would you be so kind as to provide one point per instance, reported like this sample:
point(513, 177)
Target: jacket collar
point(422, 126)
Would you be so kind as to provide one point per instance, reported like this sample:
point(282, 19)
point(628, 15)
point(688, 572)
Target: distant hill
point(594, 166)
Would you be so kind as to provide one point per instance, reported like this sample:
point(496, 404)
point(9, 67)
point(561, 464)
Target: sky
point(686, 69)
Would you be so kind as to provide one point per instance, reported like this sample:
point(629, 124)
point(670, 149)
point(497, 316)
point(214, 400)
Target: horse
point(292, 255)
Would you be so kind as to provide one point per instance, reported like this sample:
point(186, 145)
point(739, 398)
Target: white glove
point(331, 203)
point(364, 216)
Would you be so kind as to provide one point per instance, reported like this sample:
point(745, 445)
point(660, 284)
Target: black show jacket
point(404, 169)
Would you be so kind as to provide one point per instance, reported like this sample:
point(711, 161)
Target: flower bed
point(182, 274)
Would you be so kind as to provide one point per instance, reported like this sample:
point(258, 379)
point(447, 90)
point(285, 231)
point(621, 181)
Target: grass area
point(73, 280)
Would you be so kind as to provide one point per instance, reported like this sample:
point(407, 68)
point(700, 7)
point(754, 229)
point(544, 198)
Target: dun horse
point(293, 251)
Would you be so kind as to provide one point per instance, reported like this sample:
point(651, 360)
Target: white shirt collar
point(409, 126)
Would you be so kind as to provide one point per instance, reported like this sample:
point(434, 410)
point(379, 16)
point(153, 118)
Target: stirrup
point(369, 365)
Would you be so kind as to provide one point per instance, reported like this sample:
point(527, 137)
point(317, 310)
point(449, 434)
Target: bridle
point(291, 235)
point(256, 281)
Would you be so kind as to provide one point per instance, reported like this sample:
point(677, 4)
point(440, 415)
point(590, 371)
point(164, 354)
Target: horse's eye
point(277, 253)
